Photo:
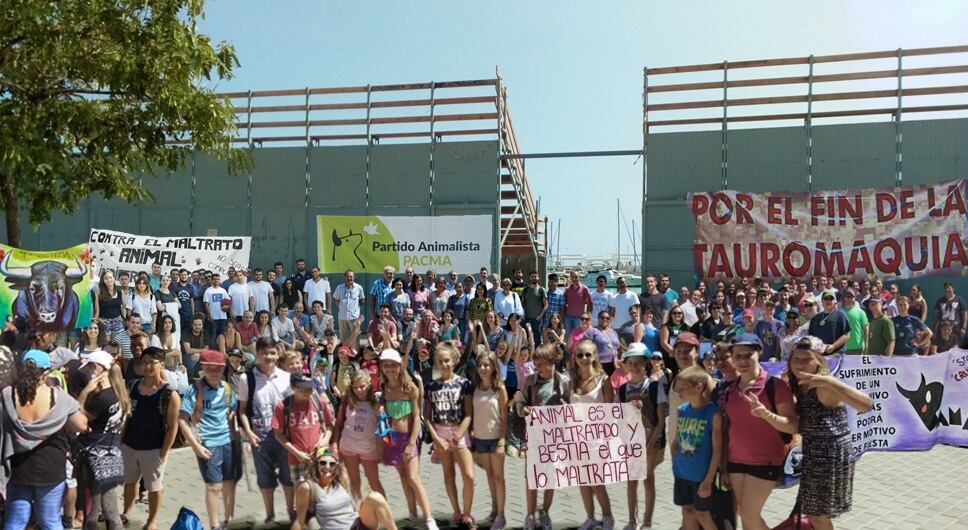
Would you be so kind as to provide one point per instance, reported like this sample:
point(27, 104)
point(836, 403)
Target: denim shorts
point(271, 464)
point(219, 467)
point(487, 446)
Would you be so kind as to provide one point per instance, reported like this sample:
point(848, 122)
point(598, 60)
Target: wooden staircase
point(522, 229)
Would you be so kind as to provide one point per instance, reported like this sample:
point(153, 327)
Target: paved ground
point(927, 490)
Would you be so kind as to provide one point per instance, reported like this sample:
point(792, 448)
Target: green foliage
point(92, 92)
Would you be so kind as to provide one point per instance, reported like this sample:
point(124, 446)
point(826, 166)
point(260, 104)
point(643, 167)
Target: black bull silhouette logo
point(46, 297)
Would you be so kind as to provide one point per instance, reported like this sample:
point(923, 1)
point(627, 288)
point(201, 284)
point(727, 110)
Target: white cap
point(100, 357)
point(391, 355)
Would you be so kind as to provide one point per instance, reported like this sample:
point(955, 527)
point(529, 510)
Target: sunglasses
point(585, 319)
point(327, 464)
point(677, 312)
point(583, 356)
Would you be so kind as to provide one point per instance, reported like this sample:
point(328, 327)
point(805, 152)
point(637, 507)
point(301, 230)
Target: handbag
point(796, 521)
point(103, 459)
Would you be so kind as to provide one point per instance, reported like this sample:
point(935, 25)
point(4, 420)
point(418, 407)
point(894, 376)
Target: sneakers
point(498, 523)
point(608, 523)
point(431, 524)
point(645, 526)
point(544, 519)
point(588, 524)
point(631, 526)
point(528, 523)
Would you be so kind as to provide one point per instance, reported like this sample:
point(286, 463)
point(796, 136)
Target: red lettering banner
point(899, 232)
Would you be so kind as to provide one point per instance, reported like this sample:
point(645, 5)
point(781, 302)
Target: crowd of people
point(454, 363)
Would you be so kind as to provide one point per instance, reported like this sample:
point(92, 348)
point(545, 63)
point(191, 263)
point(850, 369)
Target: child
point(355, 425)
point(448, 405)
point(649, 396)
point(489, 423)
point(321, 374)
point(545, 387)
point(344, 369)
point(291, 361)
point(696, 450)
point(371, 365)
point(423, 365)
point(302, 422)
point(213, 445)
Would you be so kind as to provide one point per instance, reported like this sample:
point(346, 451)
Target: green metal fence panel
point(337, 176)
point(278, 234)
point(163, 222)
point(852, 156)
point(464, 172)
point(935, 150)
point(766, 159)
point(278, 178)
point(400, 175)
point(684, 162)
point(215, 187)
point(169, 189)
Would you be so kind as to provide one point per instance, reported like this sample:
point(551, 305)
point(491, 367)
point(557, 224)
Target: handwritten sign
point(586, 444)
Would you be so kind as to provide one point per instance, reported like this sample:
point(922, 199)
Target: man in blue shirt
point(911, 335)
point(768, 331)
point(831, 326)
point(380, 289)
point(556, 300)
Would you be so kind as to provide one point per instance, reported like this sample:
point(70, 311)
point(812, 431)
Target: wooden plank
point(836, 96)
point(507, 195)
point(803, 115)
point(466, 132)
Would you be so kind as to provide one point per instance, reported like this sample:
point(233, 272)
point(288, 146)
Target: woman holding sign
point(827, 482)
point(591, 385)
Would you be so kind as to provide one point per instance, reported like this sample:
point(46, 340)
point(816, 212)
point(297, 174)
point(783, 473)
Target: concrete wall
point(846, 156)
point(278, 200)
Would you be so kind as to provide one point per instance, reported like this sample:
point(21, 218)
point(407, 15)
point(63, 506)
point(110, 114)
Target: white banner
point(585, 445)
point(368, 243)
point(135, 253)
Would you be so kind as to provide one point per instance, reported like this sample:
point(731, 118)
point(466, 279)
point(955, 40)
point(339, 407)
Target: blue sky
point(573, 69)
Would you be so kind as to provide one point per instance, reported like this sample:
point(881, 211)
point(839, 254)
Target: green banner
point(51, 290)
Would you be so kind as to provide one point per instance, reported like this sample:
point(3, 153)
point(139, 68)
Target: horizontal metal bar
point(572, 154)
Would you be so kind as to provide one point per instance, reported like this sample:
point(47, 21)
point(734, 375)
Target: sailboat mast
point(618, 231)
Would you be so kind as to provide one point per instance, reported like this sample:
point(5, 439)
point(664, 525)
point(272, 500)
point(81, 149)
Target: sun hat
point(41, 359)
point(391, 355)
point(636, 349)
point(99, 357)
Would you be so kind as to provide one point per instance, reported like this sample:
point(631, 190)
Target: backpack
point(199, 399)
point(651, 409)
point(163, 402)
point(187, 520)
point(324, 418)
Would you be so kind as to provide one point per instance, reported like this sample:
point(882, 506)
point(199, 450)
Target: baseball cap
point(636, 349)
point(810, 343)
point(688, 337)
point(793, 312)
point(828, 294)
point(235, 352)
point(746, 339)
point(298, 380)
point(41, 359)
point(850, 293)
point(655, 355)
point(100, 357)
point(391, 355)
point(344, 348)
point(212, 357)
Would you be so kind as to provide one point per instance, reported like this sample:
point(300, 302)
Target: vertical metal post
point(369, 146)
point(809, 125)
point(645, 155)
point(618, 230)
point(898, 136)
point(248, 121)
point(308, 145)
point(724, 143)
point(433, 143)
point(499, 90)
point(191, 205)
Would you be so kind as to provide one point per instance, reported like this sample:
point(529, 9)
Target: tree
point(94, 92)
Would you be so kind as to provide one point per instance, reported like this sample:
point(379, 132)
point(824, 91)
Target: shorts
point(71, 481)
point(301, 472)
point(487, 446)
point(372, 455)
point(271, 464)
point(116, 325)
point(686, 493)
point(393, 453)
point(219, 468)
point(763, 472)
point(145, 465)
point(447, 432)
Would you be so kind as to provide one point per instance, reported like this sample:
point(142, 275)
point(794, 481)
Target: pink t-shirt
point(575, 298)
point(753, 441)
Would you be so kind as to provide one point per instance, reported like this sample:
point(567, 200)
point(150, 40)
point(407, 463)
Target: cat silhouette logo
point(926, 400)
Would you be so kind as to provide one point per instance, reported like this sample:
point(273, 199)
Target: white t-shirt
point(261, 291)
point(689, 313)
point(145, 307)
point(600, 302)
point(316, 291)
point(213, 297)
point(240, 293)
point(268, 391)
point(283, 329)
point(622, 302)
point(349, 300)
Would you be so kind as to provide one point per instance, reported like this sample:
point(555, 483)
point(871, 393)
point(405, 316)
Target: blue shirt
point(905, 331)
point(694, 442)
point(556, 304)
point(213, 427)
point(768, 331)
point(379, 291)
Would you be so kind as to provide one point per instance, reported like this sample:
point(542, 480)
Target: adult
point(556, 300)
point(215, 311)
point(670, 330)
point(154, 279)
point(690, 308)
point(381, 288)
point(951, 307)
point(756, 405)
point(653, 300)
point(149, 435)
point(143, 303)
point(185, 293)
point(109, 304)
point(483, 279)
point(577, 335)
point(881, 337)
point(620, 302)
point(578, 301)
point(480, 306)
point(397, 299)
point(790, 333)
point(285, 331)
point(36, 423)
point(92, 339)
point(600, 296)
point(859, 324)
point(945, 339)
point(124, 339)
point(263, 386)
point(827, 480)
point(301, 276)
point(168, 341)
point(606, 341)
point(280, 270)
point(194, 342)
point(665, 284)
point(913, 336)
point(242, 296)
point(507, 302)
point(831, 326)
point(535, 300)
point(590, 384)
point(262, 295)
point(350, 296)
point(768, 330)
point(320, 322)
point(247, 331)
point(439, 297)
point(317, 288)
point(633, 330)
point(714, 324)
point(419, 295)
point(382, 330)
point(290, 294)
point(328, 498)
point(458, 303)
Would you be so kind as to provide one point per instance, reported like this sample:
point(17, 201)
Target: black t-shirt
point(710, 329)
point(146, 428)
point(446, 399)
point(658, 303)
point(829, 327)
point(951, 309)
point(105, 409)
point(42, 466)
